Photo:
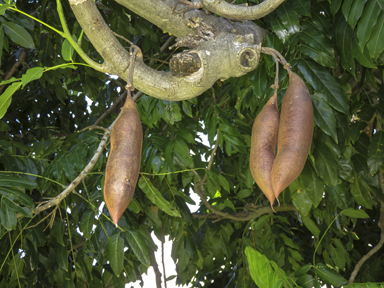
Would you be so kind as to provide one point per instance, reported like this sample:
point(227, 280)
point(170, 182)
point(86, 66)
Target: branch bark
point(240, 12)
point(221, 57)
point(374, 249)
point(13, 70)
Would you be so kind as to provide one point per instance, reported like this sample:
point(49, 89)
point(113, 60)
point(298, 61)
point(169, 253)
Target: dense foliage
point(335, 46)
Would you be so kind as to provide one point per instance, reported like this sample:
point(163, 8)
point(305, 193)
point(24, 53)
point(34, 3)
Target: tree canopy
point(201, 76)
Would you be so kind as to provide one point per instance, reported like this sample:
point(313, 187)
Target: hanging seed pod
point(295, 134)
point(263, 145)
point(123, 165)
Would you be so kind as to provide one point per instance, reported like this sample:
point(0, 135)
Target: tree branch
point(20, 60)
point(374, 249)
point(240, 12)
point(222, 57)
point(245, 215)
point(156, 269)
point(57, 200)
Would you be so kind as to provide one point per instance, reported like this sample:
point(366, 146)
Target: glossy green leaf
point(18, 35)
point(67, 50)
point(86, 224)
point(319, 56)
point(337, 257)
point(187, 108)
point(376, 152)
point(326, 164)
point(156, 198)
point(5, 201)
point(355, 12)
point(343, 37)
point(355, 213)
point(339, 195)
point(9, 180)
point(335, 6)
point(58, 232)
point(139, 247)
point(134, 206)
point(288, 17)
point(3, 8)
point(62, 257)
point(261, 270)
point(324, 84)
point(363, 57)
point(31, 74)
point(311, 225)
point(324, 117)
point(360, 193)
point(303, 270)
point(302, 201)
point(329, 276)
point(182, 152)
point(302, 7)
point(367, 22)
point(17, 195)
point(305, 281)
point(8, 217)
point(375, 44)
point(116, 253)
point(6, 97)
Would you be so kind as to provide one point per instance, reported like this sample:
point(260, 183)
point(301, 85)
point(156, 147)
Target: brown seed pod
point(263, 145)
point(295, 134)
point(123, 165)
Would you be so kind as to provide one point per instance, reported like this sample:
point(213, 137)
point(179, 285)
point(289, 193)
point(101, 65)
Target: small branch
point(244, 215)
point(156, 269)
point(57, 200)
point(14, 68)
point(374, 249)
point(162, 257)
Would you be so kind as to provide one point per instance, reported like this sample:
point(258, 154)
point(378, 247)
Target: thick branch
point(57, 200)
point(374, 249)
point(221, 57)
point(240, 12)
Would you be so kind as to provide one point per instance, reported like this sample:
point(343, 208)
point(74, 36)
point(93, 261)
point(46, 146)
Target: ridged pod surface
point(123, 165)
point(295, 134)
point(263, 145)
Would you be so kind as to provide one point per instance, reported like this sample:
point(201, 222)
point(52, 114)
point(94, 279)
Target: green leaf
point(6, 97)
point(182, 152)
point(376, 152)
point(367, 22)
point(325, 84)
point(324, 116)
point(329, 276)
point(3, 8)
point(319, 56)
point(363, 57)
point(302, 201)
point(139, 247)
point(261, 270)
point(339, 195)
point(116, 253)
point(305, 281)
point(58, 232)
point(8, 217)
point(31, 74)
point(17, 195)
point(5, 201)
point(16, 181)
point(337, 257)
point(303, 270)
point(375, 44)
point(335, 6)
point(360, 193)
point(326, 164)
point(187, 108)
point(86, 223)
point(311, 225)
point(355, 12)
point(156, 198)
point(67, 51)
point(134, 206)
point(301, 7)
point(288, 17)
point(343, 37)
point(18, 35)
point(353, 213)
point(62, 257)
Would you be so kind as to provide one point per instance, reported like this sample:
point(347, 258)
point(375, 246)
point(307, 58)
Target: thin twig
point(57, 200)
point(374, 249)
